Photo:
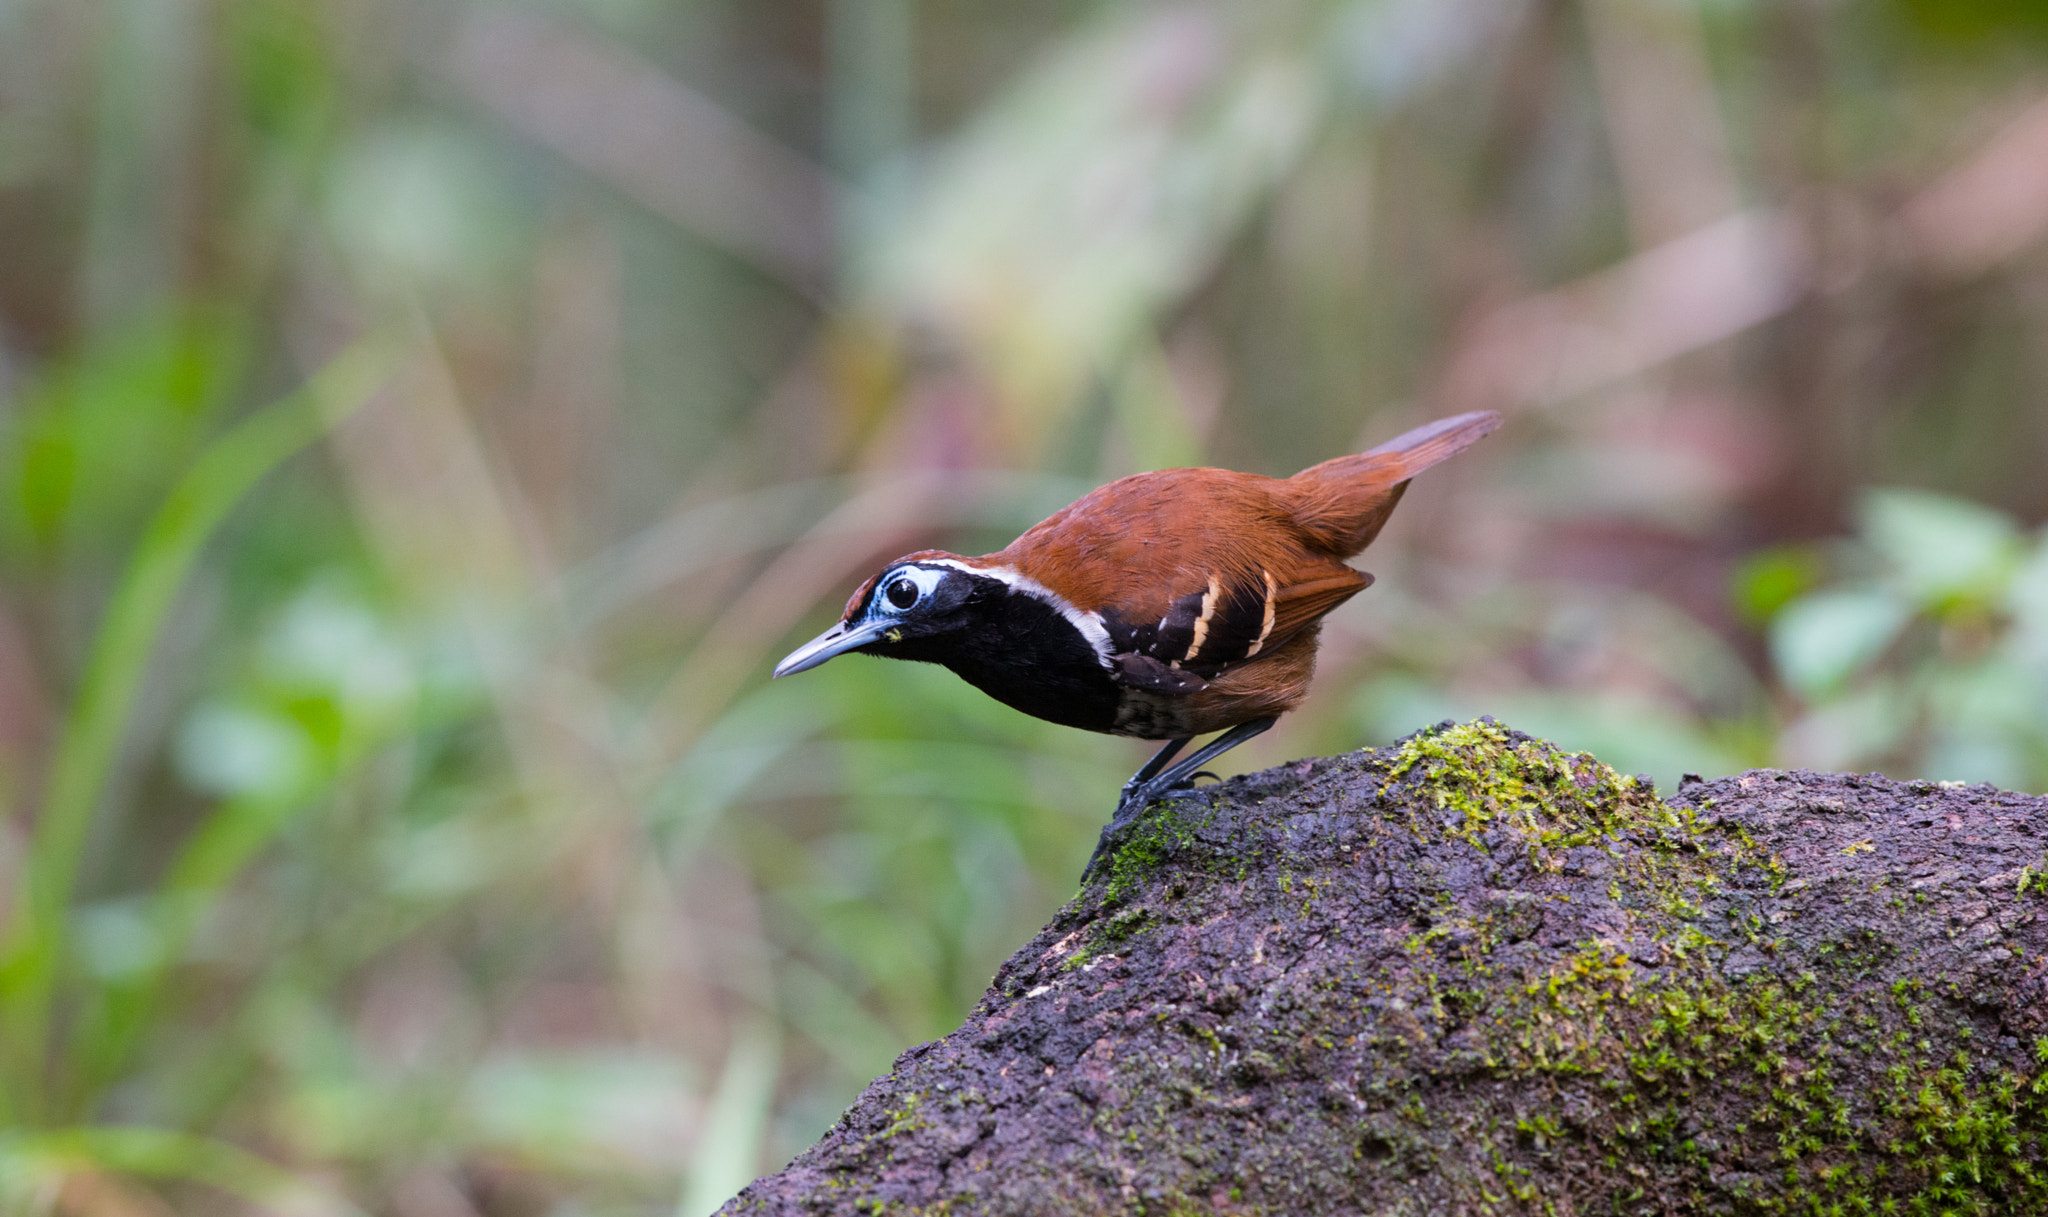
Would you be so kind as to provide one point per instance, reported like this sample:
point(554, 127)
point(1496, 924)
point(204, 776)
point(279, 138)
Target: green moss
point(1478, 775)
point(1209, 1039)
point(1155, 837)
point(905, 1117)
point(1125, 925)
point(1494, 791)
point(2033, 878)
point(1948, 1138)
point(882, 1208)
point(1959, 1139)
point(1809, 1079)
point(1110, 935)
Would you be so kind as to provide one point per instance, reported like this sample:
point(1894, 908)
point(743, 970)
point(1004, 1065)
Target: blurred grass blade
point(729, 1147)
point(113, 1019)
point(859, 1043)
point(692, 541)
point(28, 1162)
point(91, 737)
point(675, 150)
point(1010, 250)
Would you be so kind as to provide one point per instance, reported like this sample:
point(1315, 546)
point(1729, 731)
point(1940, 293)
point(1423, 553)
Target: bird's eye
point(903, 593)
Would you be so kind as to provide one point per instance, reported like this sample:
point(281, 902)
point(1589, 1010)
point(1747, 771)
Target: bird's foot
point(1157, 779)
point(1136, 797)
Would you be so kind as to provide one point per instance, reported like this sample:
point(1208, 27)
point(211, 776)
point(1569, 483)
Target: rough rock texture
point(1472, 974)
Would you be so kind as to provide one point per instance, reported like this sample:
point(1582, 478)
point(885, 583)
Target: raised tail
point(1342, 503)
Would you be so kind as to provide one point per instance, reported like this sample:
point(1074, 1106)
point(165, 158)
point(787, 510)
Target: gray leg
point(1146, 772)
point(1184, 772)
point(1149, 782)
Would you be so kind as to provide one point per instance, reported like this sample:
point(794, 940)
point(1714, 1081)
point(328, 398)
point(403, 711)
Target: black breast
point(1023, 652)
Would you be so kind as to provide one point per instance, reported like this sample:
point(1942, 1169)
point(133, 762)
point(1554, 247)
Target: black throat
point(1020, 650)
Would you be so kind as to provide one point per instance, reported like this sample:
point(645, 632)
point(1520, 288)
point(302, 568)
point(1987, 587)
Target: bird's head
point(914, 598)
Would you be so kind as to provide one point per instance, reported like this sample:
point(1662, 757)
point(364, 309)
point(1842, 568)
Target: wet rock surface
point(1471, 973)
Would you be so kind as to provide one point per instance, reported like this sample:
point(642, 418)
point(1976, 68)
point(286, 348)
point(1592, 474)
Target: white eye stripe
point(923, 578)
point(1087, 623)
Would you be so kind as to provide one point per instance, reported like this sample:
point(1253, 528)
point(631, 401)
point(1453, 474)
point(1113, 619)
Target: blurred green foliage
point(422, 426)
point(1977, 24)
point(1927, 652)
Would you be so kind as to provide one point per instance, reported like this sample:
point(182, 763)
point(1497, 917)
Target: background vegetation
point(422, 423)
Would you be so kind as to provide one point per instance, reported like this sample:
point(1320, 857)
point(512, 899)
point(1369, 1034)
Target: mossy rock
point(1474, 974)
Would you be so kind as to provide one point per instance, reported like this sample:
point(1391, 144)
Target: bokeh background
point(424, 422)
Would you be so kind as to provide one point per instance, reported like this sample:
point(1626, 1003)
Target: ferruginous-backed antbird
point(1163, 606)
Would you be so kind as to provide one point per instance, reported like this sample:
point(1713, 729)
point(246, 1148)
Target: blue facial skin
point(904, 599)
point(1013, 646)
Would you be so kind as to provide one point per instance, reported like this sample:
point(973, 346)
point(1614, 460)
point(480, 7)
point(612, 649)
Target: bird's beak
point(838, 640)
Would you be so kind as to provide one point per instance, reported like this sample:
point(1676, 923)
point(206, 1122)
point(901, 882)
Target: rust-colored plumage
point(1163, 605)
point(1275, 548)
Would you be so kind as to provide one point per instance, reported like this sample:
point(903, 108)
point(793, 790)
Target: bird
point(1162, 606)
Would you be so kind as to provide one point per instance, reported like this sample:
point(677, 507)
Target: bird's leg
point(1146, 772)
point(1186, 769)
point(1149, 782)
point(1129, 804)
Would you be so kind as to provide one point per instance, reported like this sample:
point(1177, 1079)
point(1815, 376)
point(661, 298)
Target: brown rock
point(1470, 973)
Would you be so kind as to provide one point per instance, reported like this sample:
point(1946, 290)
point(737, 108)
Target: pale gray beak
point(838, 640)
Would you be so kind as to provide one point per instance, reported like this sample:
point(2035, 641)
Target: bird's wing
point(1190, 570)
point(1300, 604)
point(1232, 618)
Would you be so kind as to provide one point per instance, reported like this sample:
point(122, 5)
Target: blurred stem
point(89, 745)
point(112, 1020)
point(729, 1146)
point(133, 219)
point(1806, 372)
point(1520, 108)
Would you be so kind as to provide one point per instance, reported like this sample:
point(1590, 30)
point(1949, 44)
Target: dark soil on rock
point(1473, 974)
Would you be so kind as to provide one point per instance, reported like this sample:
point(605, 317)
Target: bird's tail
point(1342, 503)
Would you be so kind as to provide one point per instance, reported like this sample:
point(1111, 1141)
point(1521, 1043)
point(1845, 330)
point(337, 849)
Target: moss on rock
point(1473, 973)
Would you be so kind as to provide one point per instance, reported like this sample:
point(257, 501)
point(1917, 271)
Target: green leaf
point(1941, 549)
point(2026, 598)
point(1773, 578)
point(1819, 641)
